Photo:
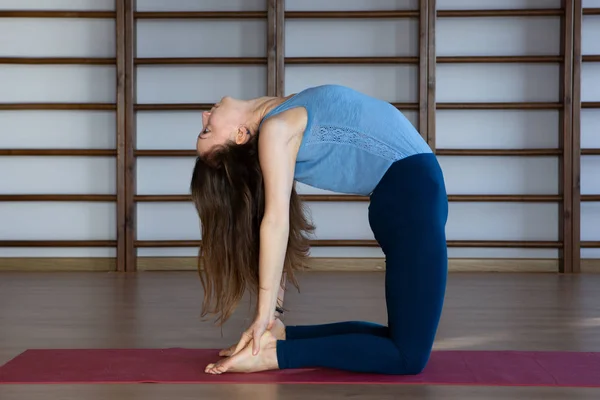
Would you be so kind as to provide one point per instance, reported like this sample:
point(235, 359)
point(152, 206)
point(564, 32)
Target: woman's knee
point(412, 364)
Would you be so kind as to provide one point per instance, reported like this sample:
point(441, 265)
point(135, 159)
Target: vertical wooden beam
point(280, 46)
point(120, 129)
point(271, 47)
point(431, 67)
point(130, 135)
point(275, 47)
point(423, 67)
point(566, 141)
point(576, 137)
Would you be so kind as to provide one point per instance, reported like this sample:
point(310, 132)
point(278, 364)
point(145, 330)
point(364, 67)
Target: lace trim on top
point(342, 135)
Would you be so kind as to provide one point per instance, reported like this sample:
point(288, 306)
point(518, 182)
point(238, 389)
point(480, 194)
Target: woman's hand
point(254, 333)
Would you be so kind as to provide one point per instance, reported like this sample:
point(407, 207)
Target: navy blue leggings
point(407, 213)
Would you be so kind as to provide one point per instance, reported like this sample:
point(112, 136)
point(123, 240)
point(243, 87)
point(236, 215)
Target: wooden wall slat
point(130, 135)
point(352, 14)
point(538, 12)
point(58, 106)
point(423, 67)
point(565, 219)
point(200, 15)
point(271, 47)
point(121, 53)
point(56, 14)
point(431, 71)
point(59, 152)
point(58, 60)
point(590, 104)
point(58, 243)
point(59, 197)
point(576, 136)
point(590, 57)
point(534, 105)
point(280, 48)
point(590, 152)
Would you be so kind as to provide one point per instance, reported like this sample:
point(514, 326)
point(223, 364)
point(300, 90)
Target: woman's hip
point(410, 196)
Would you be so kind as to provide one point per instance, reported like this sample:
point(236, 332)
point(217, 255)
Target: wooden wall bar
point(129, 168)
point(126, 107)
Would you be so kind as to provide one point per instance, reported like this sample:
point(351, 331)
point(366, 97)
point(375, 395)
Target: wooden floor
point(161, 309)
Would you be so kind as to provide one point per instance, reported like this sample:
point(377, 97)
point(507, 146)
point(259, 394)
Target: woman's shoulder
point(287, 123)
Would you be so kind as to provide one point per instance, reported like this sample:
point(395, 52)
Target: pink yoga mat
point(491, 368)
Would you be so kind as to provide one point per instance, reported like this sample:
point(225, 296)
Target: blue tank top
point(350, 139)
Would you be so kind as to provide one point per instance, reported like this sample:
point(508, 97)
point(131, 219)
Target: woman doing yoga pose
point(255, 232)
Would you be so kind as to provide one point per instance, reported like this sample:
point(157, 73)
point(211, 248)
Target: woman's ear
point(242, 135)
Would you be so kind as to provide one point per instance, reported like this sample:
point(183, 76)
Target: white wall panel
point(590, 178)
point(57, 175)
point(167, 221)
point(199, 84)
point(502, 221)
point(83, 5)
point(204, 5)
point(67, 252)
point(590, 128)
point(590, 31)
point(57, 221)
point(496, 4)
point(590, 81)
point(57, 83)
point(500, 175)
point(35, 37)
point(497, 36)
point(68, 37)
point(350, 5)
point(201, 38)
point(164, 175)
point(453, 252)
point(590, 131)
point(497, 129)
point(391, 83)
point(590, 3)
point(168, 130)
point(591, 222)
point(497, 82)
point(352, 38)
point(64, 129)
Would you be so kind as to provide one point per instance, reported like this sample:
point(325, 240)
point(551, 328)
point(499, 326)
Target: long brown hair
point(228, 193)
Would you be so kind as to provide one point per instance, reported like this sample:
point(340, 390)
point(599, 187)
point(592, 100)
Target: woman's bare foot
point(278, 330)
point(245, 361)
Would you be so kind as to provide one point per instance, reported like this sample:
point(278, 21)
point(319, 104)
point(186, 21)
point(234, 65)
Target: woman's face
point(223, 123)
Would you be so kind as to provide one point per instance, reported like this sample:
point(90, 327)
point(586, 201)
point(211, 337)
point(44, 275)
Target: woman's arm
point(277, 152)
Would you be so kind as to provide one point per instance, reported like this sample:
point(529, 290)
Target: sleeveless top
point(350, 140)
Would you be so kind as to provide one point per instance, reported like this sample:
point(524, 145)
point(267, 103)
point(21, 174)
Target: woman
point(254, 231)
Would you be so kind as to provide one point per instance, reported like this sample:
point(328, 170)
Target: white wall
point(223, 38)
point(57, 129)
point(590, 130)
